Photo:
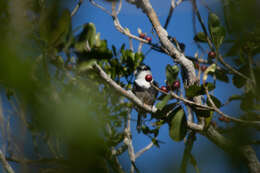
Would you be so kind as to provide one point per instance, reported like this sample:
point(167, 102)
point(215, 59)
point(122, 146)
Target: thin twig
point(5, 164)
point(202, 24)
point(101, 7)
point(169, 14)
point(220, 58)
point(140, 47)
point(139, 153)
point(173, 6)
point(74, 11)
point(119, 7)
point(116, 21)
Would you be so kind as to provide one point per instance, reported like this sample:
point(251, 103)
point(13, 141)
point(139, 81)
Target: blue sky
point(210, 158)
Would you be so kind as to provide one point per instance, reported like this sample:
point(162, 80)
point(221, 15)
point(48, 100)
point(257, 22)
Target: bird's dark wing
point(137, 88)
point(154, 91)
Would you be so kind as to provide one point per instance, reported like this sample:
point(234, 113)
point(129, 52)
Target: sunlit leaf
point(171, 73)
point(86, 65)
point(160, 105)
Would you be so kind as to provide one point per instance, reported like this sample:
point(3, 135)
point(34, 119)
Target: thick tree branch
point(166, 43)
point(245, 152)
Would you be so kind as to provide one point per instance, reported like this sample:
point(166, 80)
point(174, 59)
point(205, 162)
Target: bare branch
point(128, 142)
point(5, 164)
point(74, 11)
point(170, 14)
point(173, 6)
point(246, 152)
point(101, 7)
point(139, 153)
point(131, 47)
point(119, 7)
point(140, 47)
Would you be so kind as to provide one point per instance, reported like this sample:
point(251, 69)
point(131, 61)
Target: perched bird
point(143, 90)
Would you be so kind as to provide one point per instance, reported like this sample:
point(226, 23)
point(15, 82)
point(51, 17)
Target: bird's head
point(142, 70)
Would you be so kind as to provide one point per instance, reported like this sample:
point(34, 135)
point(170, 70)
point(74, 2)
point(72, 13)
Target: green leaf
point(60, 33)
point(160, 105)
point(218, 35)
point(222, 76)
point(165, 110)
point(234, 49)
point(139, 57)
point(171, 73)
point(238, 81)
point(178, 126)
point(195, 90)
point(211, 68)
point(86, 65)
point(216, 101)
point(210, 87)
point(248, 101)
point(217, 31)
point(200, 37)
point(209, 118)
point(235, 97)
point(88, 34)
point(122, 47)
point(213, 21)
point(114, 50)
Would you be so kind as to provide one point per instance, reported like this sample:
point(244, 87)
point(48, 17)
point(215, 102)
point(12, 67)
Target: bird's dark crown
point(143, 67)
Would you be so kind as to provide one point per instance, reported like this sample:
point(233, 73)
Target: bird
point(144, 90)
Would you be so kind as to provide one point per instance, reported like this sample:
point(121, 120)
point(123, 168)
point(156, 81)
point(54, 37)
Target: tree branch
point(5, 164)
point(245, 152)
point(139, 153)
point(128, 142)
point(220, 58)
point(74, 11)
